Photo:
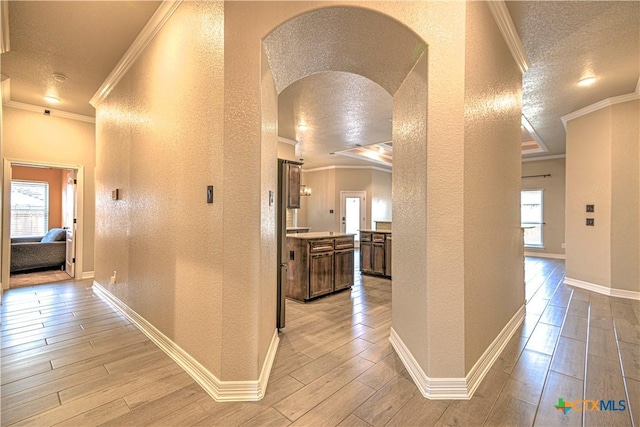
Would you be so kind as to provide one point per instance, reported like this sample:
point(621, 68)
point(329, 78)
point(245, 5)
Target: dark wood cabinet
point(318, 265)
point(343, 269)
point(321, 274)
point(373, 253)
point(293, 185)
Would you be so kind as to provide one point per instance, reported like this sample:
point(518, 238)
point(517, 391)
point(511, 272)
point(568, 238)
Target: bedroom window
point(531, 214)
point(29, 208)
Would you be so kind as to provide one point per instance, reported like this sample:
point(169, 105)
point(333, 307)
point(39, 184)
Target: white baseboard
point(221, 391)
point(456, 388)
point(88, 275)
point(544, 255)
point(605, 290)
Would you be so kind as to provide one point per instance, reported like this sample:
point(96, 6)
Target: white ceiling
point(84, 40)
point(564, 41)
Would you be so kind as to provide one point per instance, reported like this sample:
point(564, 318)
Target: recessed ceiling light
point(59, 77)
point(52, 99)
point(587, 81)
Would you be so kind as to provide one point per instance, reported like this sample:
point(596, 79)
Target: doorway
point(64, 185)
point(353, 213)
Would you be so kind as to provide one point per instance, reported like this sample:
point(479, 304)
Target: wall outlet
point(591, 222)
point(112, 279)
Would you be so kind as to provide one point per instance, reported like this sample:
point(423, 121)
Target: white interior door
point(353, 208)
point(69, 214)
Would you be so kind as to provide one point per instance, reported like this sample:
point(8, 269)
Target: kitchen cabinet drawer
point(365, 237)
point(321, 245)
point(378, 238)
point(346, 243)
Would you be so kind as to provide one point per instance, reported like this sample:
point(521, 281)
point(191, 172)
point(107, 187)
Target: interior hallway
point(68, 358)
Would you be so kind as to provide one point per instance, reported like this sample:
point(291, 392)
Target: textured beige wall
point(160, 140)
point(185, 118)
point(314, 210)
point(625, 196)
point(286, 151)
point(492, 234)
point(588, 181)
point(381, 196)
point(269, 228)
point(30, 136)
point(553, 203)
point(326, 186)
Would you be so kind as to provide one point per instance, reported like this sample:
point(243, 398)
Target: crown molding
point(4, 24)
point(325, 168)
point(525, 123)
point(505, 24)
point(53, 113)
point(600, 105)
point(8, 102)
point(541, 158)
point(287, 140)
point(157, 21)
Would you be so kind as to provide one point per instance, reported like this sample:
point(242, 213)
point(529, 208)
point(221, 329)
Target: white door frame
point(362, 195)
point(6, 213)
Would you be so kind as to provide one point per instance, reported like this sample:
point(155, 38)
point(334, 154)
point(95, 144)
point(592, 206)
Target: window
point(29, 208)
point(531, 217)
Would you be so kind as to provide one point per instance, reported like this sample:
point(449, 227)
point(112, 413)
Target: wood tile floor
point(69, 359)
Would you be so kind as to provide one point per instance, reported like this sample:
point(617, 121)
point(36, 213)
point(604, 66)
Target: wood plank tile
point(604, 381)
point(189, 415)
point(553, 315)
point(91, 401)
point(268, 417)
point(575, 327)
point(338, 406)
point(27, 409)
point(559, 386)
point(25, 370)
point(296, 405)
point(633, 388)
point(51, 387)
point(419, 411)
point(387, 402)
point(377, 352)
point(627, 331)
point(543, 339)
point(382, 372)
point(475, 411)
point(578, 307)
point(97, 416)
point(161, 388)
point(509, 411)
point(159, 408)
point(353, 421)
point(527, 380)
point(318, 367)
point(630, 355)
point(602, 343)
point(510, 354)
point(569, 358)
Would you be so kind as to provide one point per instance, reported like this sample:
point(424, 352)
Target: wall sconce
point(304, 190)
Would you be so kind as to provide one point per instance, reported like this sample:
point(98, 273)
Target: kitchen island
point(375, 252)
point(318, 264)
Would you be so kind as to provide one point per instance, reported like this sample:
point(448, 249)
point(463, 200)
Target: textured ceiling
point(354, 40)
point(82, 40)
point(336, 70)
point(566, 41)
point(339, 110)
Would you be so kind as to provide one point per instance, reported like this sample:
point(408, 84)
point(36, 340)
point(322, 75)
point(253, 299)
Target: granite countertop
point(376, 231)
point(297, 228)
point(319, 235)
